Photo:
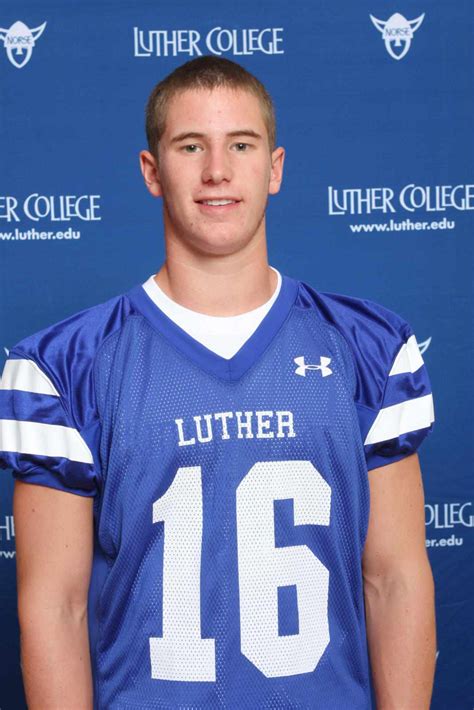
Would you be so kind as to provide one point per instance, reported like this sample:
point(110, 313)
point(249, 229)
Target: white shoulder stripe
point(25, 375)
point(43, 440)
point(401, 418)
point(408, 359)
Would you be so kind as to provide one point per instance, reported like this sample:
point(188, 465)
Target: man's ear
point(276, 176)
point(150, 172)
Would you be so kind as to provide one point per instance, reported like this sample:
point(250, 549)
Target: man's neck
point(218, 287)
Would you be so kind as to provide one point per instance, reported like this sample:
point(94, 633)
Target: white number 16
point(181, 653)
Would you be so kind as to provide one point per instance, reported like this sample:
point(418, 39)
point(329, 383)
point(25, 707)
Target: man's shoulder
point(345, 311)
point(82, 331)
point(366, 326)
point(65, 351)
point(392, 389)
point(49, 410)
point(380, 343)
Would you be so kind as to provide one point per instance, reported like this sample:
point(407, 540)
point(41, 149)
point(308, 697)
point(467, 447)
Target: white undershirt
point(224, 335)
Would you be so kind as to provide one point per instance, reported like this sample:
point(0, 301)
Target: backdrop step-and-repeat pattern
point(375, 108)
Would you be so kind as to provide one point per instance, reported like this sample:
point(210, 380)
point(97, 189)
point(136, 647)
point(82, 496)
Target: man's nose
point(217, 167)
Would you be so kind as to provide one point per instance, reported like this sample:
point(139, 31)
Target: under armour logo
point(323, 366)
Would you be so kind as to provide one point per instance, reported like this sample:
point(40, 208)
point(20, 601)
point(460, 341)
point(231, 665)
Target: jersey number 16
point(181, 654)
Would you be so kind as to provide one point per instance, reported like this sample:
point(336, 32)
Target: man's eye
point(241, 147)
point(193, 148)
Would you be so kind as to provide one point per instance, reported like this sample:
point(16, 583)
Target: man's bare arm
point(399, 590)
point(54, 555)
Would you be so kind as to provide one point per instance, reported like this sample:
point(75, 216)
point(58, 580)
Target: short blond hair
point(207, 72)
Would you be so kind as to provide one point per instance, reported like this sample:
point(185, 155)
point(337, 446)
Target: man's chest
point(293, 408)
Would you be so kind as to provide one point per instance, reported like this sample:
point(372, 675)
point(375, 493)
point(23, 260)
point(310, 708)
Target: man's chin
point(219, 244)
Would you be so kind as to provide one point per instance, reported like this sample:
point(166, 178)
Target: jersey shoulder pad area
point(48, 416)
point(393, 394)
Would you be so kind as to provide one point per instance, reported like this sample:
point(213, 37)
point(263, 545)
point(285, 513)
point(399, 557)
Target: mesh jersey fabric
point(231, 497)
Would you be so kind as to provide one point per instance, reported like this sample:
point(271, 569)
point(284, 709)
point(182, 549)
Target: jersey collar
point(227, 369)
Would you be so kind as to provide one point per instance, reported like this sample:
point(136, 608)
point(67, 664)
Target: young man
point(207, 444)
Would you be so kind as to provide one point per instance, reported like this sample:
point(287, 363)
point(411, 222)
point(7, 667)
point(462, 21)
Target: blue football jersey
point(231, 496)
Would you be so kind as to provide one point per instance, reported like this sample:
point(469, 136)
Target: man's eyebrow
point(245, 132)
point(188, 135)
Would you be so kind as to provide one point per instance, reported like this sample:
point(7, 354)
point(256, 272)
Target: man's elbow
point(35, 606)
point(402, 578)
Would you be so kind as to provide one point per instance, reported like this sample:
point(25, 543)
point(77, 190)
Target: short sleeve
point(395, 428)
point(38, 437)
point(387, 377)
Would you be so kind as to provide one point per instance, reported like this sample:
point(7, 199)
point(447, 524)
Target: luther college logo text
point(19, 41)
point(397, 32)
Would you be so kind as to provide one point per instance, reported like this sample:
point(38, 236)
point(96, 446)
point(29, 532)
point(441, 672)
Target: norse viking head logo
point(423, 347)
point(397, 32)
point(19, 41)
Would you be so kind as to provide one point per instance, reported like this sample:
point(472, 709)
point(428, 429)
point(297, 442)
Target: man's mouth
point(218, 202)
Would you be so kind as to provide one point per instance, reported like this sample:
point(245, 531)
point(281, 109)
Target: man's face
point(214, 170)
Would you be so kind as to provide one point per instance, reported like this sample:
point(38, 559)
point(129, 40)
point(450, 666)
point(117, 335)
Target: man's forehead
point(209, 105)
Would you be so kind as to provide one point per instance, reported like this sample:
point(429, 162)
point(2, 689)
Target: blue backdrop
point(376, 114)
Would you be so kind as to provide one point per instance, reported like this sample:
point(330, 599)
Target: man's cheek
point(260, 175)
